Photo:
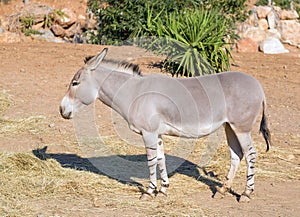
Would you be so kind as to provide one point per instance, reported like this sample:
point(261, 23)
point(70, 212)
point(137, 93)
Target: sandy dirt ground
point(36, 76)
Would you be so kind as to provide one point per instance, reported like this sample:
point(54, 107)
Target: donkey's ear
point(93, 63)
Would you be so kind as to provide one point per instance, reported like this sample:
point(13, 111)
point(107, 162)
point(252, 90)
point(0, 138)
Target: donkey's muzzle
point(64, 114)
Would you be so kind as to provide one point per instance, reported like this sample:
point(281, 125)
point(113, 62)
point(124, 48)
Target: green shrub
point(198, 43)
point(26, 25)
point(4, 1)
point(194, 41)
point(118, 20)
point(232, 10)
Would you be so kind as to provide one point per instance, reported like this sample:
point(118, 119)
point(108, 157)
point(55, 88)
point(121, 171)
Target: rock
point(48, 36)
point(81, 19)
point(262, 11)
point(1, 30)
point(288, 15)
point(73, 30)
point(252, 19)
point(277, 9)
point(38, 26)
point(4, 24)
point(67, 19)
point(273, 33)
point(290, 31)
point(37, 11)
point(246, 45)
point(272, 19)
point(58, 30)
point(91, 22)
point(272, 46)
point(10, 37)
point(255, 33)
point(263, 24)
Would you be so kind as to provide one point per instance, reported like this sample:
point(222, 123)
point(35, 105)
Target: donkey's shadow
point(124, 168)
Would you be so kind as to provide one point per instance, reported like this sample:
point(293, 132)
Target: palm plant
point(194, 42)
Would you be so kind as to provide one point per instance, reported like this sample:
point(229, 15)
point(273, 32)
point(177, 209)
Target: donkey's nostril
point(61, 110)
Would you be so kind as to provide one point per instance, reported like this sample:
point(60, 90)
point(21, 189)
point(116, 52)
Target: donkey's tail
point(264, 127)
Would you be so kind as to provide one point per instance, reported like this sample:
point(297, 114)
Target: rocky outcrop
point(270, 23)
point(42, 22)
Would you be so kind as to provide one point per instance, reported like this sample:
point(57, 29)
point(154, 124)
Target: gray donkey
point(156, 105)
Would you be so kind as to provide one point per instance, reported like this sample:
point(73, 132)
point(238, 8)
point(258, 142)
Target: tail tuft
point(264, 128)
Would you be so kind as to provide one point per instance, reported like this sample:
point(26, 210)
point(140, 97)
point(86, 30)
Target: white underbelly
point(189, 131)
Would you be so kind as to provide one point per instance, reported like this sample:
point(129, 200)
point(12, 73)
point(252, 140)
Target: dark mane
point(125, 65)
point(134, 67)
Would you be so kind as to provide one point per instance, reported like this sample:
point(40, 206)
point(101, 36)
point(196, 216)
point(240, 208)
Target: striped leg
point(162, 167)
point(150, 140)
point(250, 157)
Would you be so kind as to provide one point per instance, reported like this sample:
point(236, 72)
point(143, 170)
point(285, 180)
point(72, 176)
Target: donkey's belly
point(190, 130)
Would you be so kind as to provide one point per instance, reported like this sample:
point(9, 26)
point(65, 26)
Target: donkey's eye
point(75, 83)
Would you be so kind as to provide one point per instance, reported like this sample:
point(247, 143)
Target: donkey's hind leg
point(250, 157)
point(236, 154)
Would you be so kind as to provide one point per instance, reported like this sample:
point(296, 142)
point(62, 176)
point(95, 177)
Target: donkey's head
point(83, 89)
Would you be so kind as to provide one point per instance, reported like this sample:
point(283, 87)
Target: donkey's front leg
point(150, 140)
point(162, 167)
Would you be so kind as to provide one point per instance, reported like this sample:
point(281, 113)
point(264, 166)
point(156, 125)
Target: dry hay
point(5, 101)
point(281, 163)
point(25, 177)
point(32, 124)
point(27, 181)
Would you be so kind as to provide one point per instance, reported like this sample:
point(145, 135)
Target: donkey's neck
point(113, 91)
